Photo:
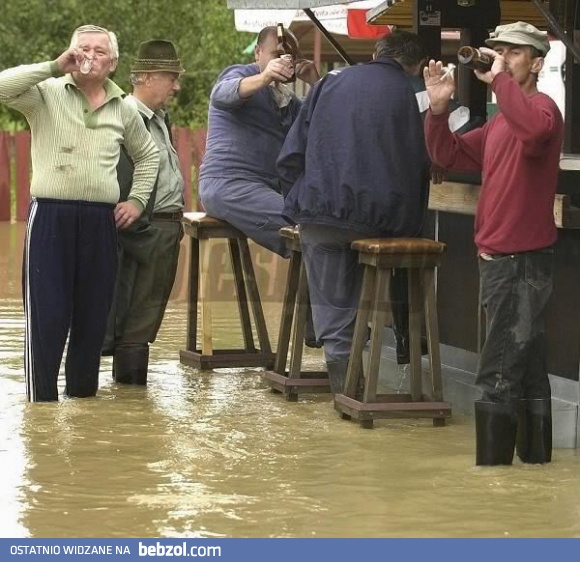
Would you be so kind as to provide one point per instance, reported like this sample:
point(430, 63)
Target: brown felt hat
point(157, 56)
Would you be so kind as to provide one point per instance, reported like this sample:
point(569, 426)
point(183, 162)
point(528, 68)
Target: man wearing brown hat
point(149, 249)
point(518, 153)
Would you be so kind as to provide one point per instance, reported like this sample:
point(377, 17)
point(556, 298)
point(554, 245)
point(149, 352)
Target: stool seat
point(420, 257)
point(294, 381)
point(398, 246)
point(203, 228)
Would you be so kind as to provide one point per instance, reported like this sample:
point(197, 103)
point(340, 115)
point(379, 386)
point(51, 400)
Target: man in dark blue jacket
point(354, 165)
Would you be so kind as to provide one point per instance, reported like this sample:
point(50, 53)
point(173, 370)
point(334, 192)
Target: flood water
point(216, 454)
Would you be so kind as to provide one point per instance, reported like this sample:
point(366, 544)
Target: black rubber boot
point(130, 364)
point(337, 375)
point(534, 441)
point(496, 425)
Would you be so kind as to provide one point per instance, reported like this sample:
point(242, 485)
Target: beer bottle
point(285, 51)
point(473, 58)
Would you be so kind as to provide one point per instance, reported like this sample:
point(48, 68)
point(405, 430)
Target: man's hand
point(126, 213)
point(70, 60)
point(306, 70)
point(440, 86)
point(438, 174)
point(499, 65)
point(277, 70)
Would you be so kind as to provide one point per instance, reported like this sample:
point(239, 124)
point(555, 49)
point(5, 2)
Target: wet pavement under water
point(216, 454)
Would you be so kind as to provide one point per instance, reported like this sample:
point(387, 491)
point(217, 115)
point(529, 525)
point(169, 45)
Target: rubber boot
point(534, 441)
point(496, 425)
point(400, 313)
point(337, 375)
point(130, 364)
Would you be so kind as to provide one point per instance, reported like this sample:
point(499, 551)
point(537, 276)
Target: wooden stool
point(379, 256)
point(202, 229)
point(296, 300)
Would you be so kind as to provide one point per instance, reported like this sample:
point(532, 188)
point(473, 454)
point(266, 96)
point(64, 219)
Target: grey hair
point(137, 78)
point(113, 44)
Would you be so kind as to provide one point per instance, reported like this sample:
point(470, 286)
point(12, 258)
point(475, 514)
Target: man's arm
point(145, 156)
point(452, 152)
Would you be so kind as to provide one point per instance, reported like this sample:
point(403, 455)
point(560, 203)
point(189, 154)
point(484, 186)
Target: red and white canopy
point(340, 19)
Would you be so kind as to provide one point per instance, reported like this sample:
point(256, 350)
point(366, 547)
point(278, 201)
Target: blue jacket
point(356, 157)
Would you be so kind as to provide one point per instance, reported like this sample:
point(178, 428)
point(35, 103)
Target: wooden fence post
point(22, 139)
point(4, 177)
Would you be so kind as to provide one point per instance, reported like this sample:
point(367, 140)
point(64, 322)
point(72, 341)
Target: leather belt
point(176, 216)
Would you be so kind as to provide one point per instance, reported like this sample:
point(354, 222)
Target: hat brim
point(174, 69)
point(509, 39)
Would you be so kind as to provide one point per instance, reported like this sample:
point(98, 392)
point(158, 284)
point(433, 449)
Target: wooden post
point(22, 139)
point(4, 177)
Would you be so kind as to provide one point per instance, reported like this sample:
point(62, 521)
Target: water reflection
point(216, 454)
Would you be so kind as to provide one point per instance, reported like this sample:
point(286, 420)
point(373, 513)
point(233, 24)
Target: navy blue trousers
point(69, 268)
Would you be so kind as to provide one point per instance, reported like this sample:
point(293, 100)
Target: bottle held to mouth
point(285, 51)
point(473, 58)
point(86, 65)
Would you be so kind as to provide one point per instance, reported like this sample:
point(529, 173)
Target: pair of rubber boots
point(525, 425)
point(130, 363)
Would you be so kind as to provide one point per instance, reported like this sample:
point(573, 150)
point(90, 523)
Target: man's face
point(161, 88)
point(98, 47)
point(521, 63)
point(268, 50)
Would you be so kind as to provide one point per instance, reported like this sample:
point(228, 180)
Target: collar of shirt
point(145, 110)
point(112, 90)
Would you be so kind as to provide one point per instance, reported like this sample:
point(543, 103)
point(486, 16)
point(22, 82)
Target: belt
point(176, 216)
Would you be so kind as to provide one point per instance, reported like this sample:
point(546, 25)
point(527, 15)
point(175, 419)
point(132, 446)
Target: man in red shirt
point(518, 154)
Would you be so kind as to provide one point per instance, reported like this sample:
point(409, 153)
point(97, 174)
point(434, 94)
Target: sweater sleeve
point(462, 153)
point(225, 93)
point(144, 154)
point(532, 119)
point(19, 86)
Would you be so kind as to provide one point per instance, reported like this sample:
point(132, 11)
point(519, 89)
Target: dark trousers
point(334, 285)
point(69, 270)
point(514, 292)
point(143, 288)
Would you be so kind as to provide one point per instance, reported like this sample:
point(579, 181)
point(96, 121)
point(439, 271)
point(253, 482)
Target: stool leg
point(193, 295)
point(302, 301)
point(287, 313)
point(254, 295)
point(415, 313)
point(205, 296)
point(433, 339)
point(240, 286)
point(360, 331)
point(380, 312)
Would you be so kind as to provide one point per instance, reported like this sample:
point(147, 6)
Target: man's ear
point(113, 66)
point(537, 65)
point(257, 52)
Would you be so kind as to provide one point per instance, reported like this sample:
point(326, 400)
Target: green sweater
point(75, 149)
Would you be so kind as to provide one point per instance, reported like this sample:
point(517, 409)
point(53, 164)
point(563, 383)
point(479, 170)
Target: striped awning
point(400, 13)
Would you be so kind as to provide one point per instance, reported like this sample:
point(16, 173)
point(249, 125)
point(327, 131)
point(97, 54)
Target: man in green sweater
point(78, 120)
